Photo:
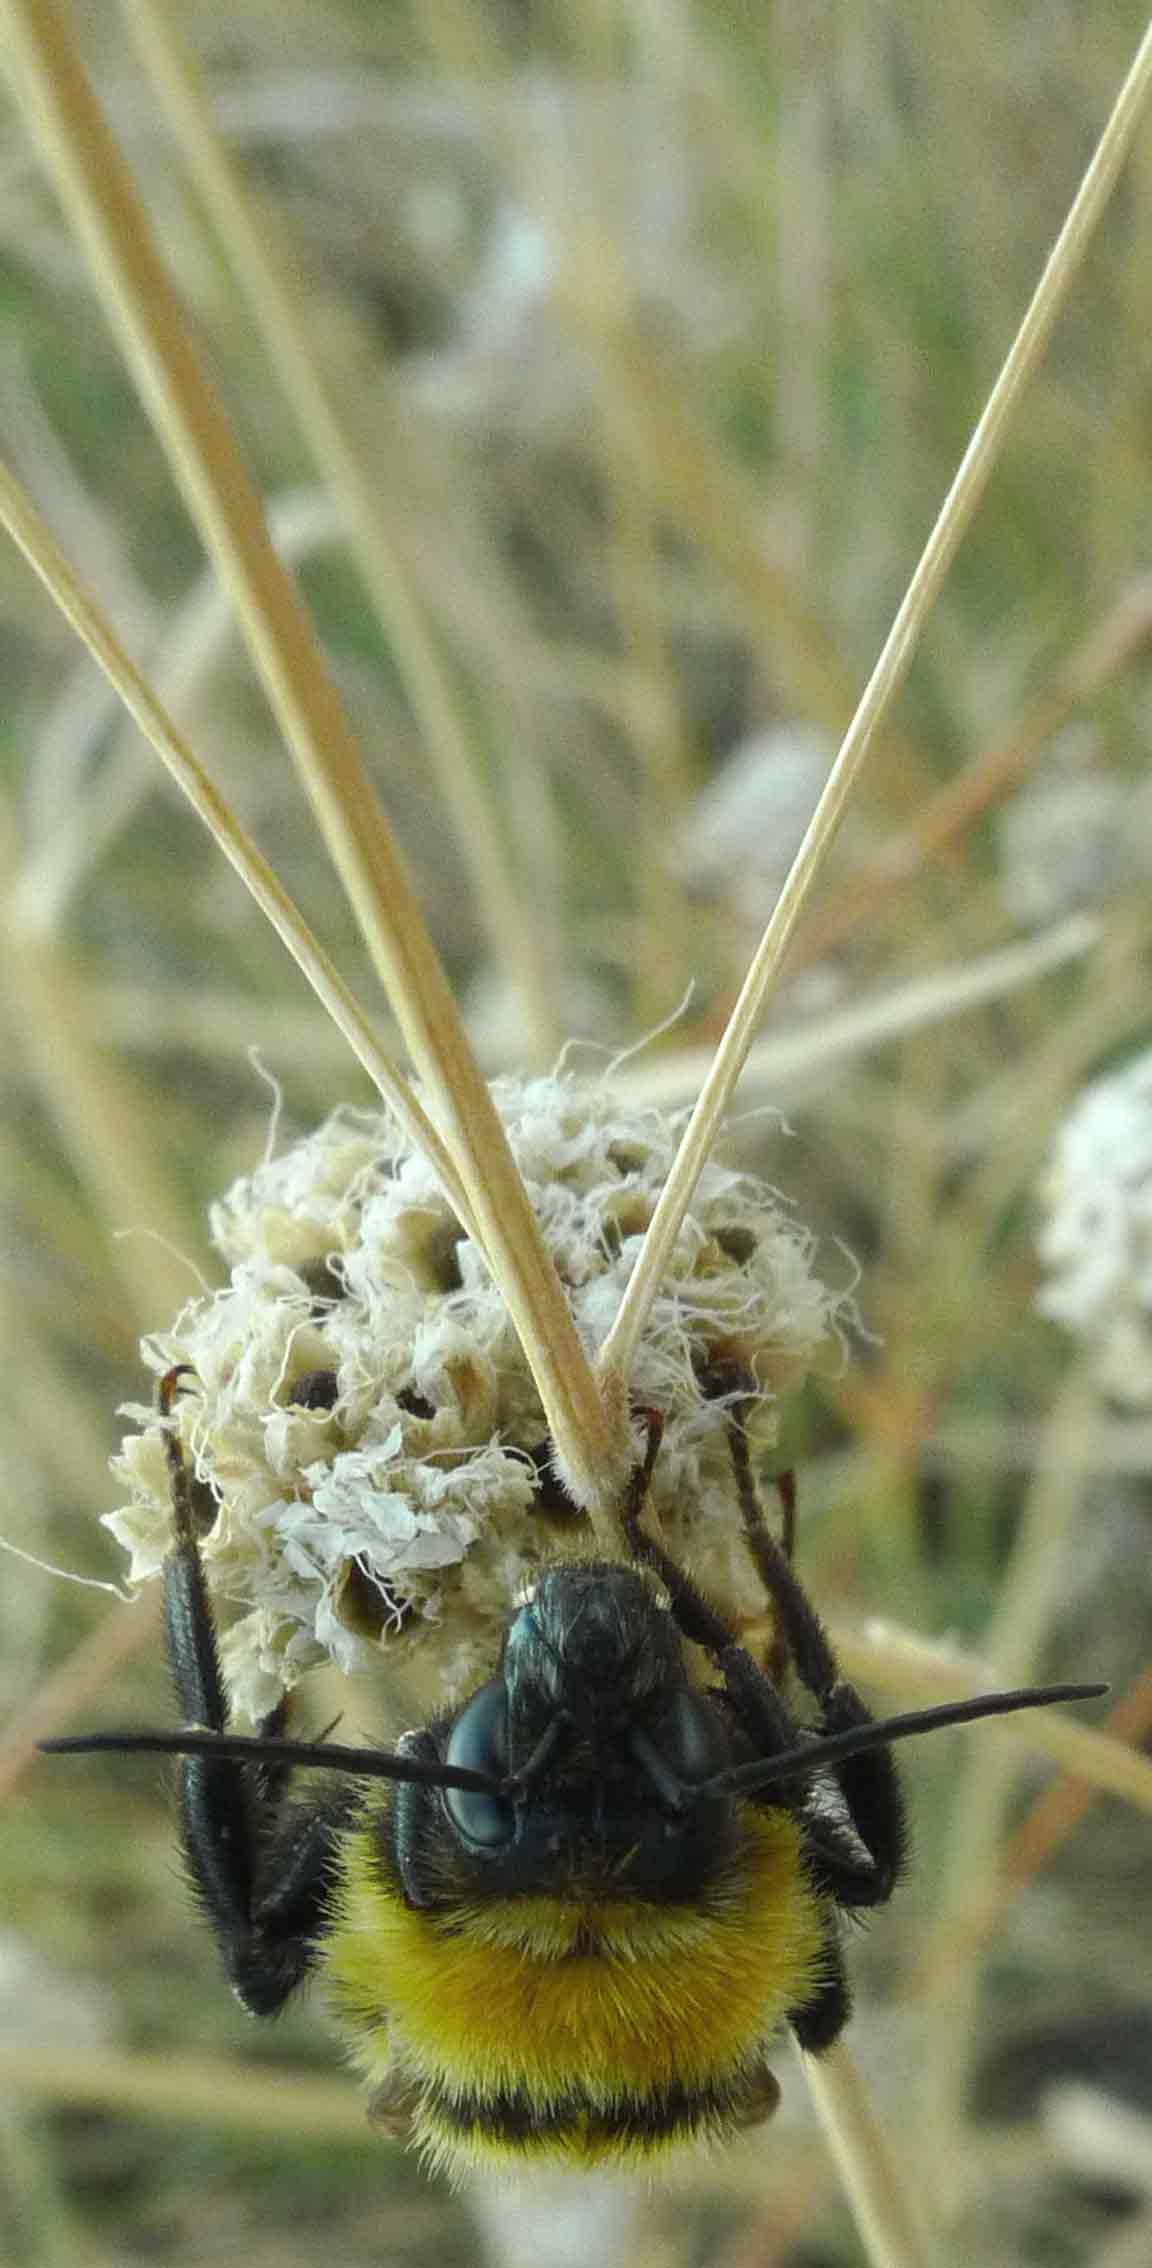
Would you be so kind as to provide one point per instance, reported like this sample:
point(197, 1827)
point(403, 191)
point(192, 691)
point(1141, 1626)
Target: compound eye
point(692, 1740)
point(478, 1742)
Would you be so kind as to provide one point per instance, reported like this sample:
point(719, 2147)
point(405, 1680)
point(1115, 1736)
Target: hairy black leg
point(808, 1643)
point(840, 1870)
point(216, 1825)
point(260, 1876)
point(786, 1491)
point(869, 1784)
point(819, 2020)
point(854, 1873)
point(755, 1700)
point(758, 1534)
point(699, 1621)
point(272, 1953)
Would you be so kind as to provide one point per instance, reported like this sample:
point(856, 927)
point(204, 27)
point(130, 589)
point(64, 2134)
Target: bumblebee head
point(600, 1743)
point(598, 1639)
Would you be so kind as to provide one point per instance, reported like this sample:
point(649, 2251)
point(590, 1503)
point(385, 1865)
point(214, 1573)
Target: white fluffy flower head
point(1074, 835)
point(1097, 1240)
point(371, 1457)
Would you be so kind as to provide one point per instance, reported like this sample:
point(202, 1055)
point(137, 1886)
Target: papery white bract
point(372, 1451)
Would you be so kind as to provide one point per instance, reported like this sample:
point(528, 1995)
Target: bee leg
point(820, 2019)
point(756, 1527)
point(260, 1876)
point(856, 1871)
point(750, 1689)
point(869, 1784)
point(699, 1621)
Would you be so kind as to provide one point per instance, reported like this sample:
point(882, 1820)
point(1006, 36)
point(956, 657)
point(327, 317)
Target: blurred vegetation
point(659, 330)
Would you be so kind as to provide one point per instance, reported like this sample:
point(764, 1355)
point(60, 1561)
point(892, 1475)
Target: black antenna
point(835, 1748)
point(739, 1779)
point(325, 1756)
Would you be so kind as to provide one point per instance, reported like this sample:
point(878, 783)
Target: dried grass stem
point(878, 2197)
point(272, 299)
point(589, 1429)
point(879, 693)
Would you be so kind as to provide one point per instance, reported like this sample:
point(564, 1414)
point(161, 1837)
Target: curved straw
point(274, 301)
point(588, 1427)
point(891, 669)
point(879, 2198)
point(26, 528)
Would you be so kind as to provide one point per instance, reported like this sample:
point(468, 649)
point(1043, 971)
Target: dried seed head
point(1097, 1239)
point(365, 1424)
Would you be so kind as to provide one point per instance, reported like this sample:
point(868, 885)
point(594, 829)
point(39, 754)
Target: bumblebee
point(565, 1921)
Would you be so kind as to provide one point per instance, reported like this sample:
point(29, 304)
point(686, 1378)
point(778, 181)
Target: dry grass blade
point(225, 2095)
point(95, 1103)
point(917, 1671)
point(69, 839)
point(879, 2203)
point(879, 693)
point(678, 546)
point(1120, 637)
point(112, 224)
point(1051, 1820)
point(273, 300)
point(42, 552)
point(790, 1058)
point(914, 1668)
point(1029, 1599)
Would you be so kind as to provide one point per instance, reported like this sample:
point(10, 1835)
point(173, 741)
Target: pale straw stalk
point(875, 702)
point(92, 178)
point(273, 300)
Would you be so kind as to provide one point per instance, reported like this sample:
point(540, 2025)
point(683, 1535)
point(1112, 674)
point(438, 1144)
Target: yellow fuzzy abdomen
point(583, 2030)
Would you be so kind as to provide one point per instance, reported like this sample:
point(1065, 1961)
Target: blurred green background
point(655, 332)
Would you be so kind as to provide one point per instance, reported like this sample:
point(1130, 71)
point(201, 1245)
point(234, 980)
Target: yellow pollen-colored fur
point(600, 2000)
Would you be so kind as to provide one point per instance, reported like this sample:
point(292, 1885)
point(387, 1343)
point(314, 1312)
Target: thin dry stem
point(791, 1058)
point(911, 1667)
point(1119, 637)
point(589, 1428)
point(101, 1117)
point(42, 552)
point(1028, 1598)
point(1010, 1118)
point(1045, 1828)
point(218, 1023)
point(887, 677)
point(273, 301)
point(655, 728)
point(878, 2196)
point(676, 454)
point(83, 807)
point(254, 2101)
